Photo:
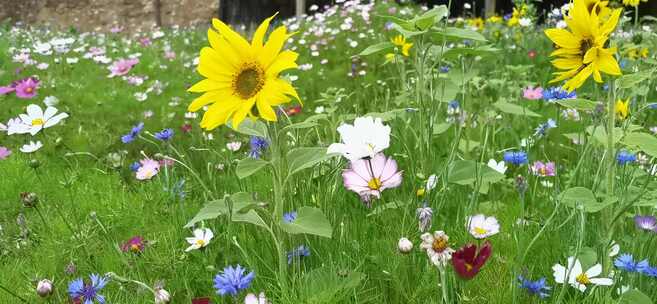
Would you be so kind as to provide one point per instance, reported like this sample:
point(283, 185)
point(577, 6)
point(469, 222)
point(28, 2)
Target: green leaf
point(588, 257)
point(629, 81)
point(635, 296)
point(459, 78)
point(580, 197)
point(513, 109)
point(446, 90)
point(441, 128)
point(211, 210)
point(246, 167)
point(578, 103)
point(406, 32)
point(252, 127)
point(463, 172)
point(381, 208)
point(387, 116)
point(600, 135)
point(303, 158)
point(328, 286)
point(642, 141)
point(309, 221)
point(455, 33)
point(430, 17)
point(376, 48)
point(300, 125)
point(482, 51)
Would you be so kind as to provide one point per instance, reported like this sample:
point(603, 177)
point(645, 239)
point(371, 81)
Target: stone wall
point(101, 15)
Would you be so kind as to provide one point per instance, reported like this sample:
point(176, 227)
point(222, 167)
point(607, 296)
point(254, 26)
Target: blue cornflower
point(625, 157)
point(133, 133)
point(542, 129)
point(232, 280)
point(289, 217)
point(88, 293)
point(164, 135)
point(626, 262)
point(444, 69)
point(258, 144)
point(299, 252)
point(557, 93)
point(515, 157)
point(538, 288)
point(135, 166)
point(652, 105)
point(454, 105)
point(650, 271)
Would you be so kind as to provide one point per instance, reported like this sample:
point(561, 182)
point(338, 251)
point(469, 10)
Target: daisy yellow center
point(249, 81)
point(200, 243)
point(439, 244)
point(37, 122)
point(583, 279)
point(374, 184)
point(480, 230)
point(542, 171)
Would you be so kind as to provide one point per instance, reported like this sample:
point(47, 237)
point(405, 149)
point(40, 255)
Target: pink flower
point(122, 67)
point(369, 177)
point(532, 93)
point(170, 55)
point(134, 244)
point(148, 169)
point(4, 153)
point(543, 169)
point(145, 41)
point(27, 88)
point(116, 29)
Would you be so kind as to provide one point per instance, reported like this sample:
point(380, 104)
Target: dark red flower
point(201, 301)
point(186, 128)
point(291, 111)
point(467, 261)
point(135, 244)
point(531, 54)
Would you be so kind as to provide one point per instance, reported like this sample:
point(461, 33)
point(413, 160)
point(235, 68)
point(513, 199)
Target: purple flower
point(122, 67)
point(26, 88)
point(87, 293)
point(369, 177)
point(232, 280)
point(4, 153)
point(164, 135)
point(258, 145)
point(133, 133)
point(289, 217)
point(647, 222)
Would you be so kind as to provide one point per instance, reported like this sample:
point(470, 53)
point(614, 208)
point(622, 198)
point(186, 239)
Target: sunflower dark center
point(249, 81)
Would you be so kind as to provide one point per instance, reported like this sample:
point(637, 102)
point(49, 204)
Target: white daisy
point(437, 247)
point(497, 166)
point(578, 278)
point(31, 147)
point(482, 227)
point(365, 138)
point(200, 239)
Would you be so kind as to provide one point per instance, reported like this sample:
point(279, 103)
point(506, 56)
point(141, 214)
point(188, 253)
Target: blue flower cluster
point(133, 133)
point(515, 157)
point(298, 253)
point(626, 262)
point(625, 157)
point(542, 129)
point(164, 135)
point(88, 293)
point(258, 145)
point(537, 288)
point(557, 93)
point(232, 280)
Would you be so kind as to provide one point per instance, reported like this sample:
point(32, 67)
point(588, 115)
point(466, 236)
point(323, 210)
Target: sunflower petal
point(259, 35)
point(233, 38)
point(563, 38)
point(208, 85)
point(265, 110)
point(285, 60)
point(273, 46)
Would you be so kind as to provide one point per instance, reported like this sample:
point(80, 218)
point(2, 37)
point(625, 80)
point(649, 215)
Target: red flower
point(291, 111)
point(468, 260)
point(531, 54)
point(201, 301)
point(186, 127)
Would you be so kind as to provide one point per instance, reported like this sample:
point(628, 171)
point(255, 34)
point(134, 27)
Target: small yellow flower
point(622, 108)
point(494, 19)
point(633, 54)
point(477, 23)
point(420, 192)
point(644, 53)
point(390, 57)
point(513, 21)
point(400, 41)
point(633, 3)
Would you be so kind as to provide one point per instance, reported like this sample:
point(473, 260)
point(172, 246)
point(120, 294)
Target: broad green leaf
point(580, 197)
point(459, 78)
point(588, 257)
point(629, 81)
point(241, 202)
point(510, 108)
point(303, 158)
point(446, 90)
point(387, 116)
point(252, 127)
point(430, 17)
point(246, 167)
point(464, 172)
point(441, 128)
point(642, 141)
point(482, 51)
point(211, 210)
point(455, 33)
point(376, 48)
point(600, 135)
point(578, 103)
point(405, 32)
point(635, 296)
point(328, 286)
point(309, 221)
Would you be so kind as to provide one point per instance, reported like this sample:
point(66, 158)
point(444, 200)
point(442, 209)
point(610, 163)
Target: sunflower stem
point(611, 123)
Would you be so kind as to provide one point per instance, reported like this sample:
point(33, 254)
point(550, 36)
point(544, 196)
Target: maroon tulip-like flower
point(468, 260)
point(135, 245)
point(201, 301)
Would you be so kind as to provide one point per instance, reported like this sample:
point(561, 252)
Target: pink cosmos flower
point(170, 55)
point(134, 244)
point(543, 169)
point(27, 88)
point(369, 177)
point(145, 41)
point(148, 169)
point(122, 67)
point(4, 153)
point(532, 93)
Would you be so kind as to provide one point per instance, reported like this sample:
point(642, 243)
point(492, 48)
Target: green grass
point(89, 205)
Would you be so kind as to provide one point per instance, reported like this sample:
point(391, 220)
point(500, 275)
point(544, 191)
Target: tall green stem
point(611, 162)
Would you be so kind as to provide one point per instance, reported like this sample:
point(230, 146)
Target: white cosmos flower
point(36, 119)
point(481, 227)
point(16, 126)
point(578, 278)
point(497, 166)
point(3, 127)
point(437, 247)
point(51, 101)
point(31, 147)
point(253, 299)
point(525, 22)
point(200, 239)
point(365, 138)
point(234, 146)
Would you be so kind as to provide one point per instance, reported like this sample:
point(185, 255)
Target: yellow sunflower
point(633, 3)
point(601, 8)
point(242, 77)
point(581, 51)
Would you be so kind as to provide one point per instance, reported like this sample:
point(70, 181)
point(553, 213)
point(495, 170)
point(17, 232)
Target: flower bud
point(34, 163)
point(405, 245)
point(44, 288)
point(29, 199)
point(162, 296)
